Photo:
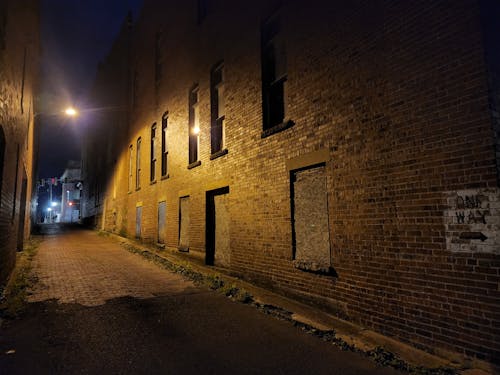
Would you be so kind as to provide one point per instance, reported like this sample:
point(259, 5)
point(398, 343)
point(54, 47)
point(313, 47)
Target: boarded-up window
point(310, 220)
point(184, 224)
point(162, 221)
point(138, 219)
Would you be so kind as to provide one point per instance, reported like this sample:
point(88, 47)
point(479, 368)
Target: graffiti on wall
point(472, 220)
point(469, 209)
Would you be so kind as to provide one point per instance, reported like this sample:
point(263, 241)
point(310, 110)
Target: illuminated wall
point(381, 106)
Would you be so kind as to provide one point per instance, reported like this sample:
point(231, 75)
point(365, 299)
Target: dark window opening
point(153, 154)
point(202, 10)
point(138, 164)
point(135, 88)
point(130, 166)
point(164, 145)
point(23, 79)
point(217, 109)
point(158, 58)
point(274, 75)
point(194, 125)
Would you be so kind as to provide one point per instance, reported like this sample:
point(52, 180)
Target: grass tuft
point(22, 279)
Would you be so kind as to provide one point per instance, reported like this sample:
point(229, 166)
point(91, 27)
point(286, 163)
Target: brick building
point(339, 152)
point(19, 51)
point(70, 192)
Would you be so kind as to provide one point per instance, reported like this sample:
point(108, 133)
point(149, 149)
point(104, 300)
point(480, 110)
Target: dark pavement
point(98, 309)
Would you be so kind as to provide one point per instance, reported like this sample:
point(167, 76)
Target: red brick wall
point(393, 97)
point(18, 68)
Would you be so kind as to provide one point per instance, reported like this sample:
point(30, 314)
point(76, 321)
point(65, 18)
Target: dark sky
point(75, 36)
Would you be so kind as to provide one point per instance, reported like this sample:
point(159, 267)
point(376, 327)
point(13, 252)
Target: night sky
point(75, 36)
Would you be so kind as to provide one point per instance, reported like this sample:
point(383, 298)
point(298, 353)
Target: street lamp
point(71, 112)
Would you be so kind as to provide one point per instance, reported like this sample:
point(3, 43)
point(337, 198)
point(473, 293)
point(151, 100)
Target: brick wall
point(18, 67)
point(490, 11)
point(391, 98)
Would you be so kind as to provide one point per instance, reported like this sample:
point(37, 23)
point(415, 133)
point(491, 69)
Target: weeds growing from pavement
point(13, 299)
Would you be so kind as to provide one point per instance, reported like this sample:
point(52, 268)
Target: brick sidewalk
point(85, 268)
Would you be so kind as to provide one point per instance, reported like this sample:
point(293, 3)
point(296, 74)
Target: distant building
point(19, 53)
point(70, 194)
point(345, 153)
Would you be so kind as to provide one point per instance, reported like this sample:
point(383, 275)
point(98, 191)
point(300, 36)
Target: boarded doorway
point(217, 227)
point(311, 235)
point(162, 221)
point(138, 221)
point(184, 224)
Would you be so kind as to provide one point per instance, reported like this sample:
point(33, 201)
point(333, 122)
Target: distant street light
point(70, 111)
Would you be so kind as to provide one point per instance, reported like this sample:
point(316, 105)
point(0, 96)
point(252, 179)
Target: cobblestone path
point(85, 268)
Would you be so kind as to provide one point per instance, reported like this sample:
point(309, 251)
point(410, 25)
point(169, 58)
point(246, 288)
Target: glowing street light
point(70, 111)
point(196, 130)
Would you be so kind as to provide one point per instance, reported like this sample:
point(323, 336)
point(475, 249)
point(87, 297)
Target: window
point(152, 176)
point(194, 127)
point(202, 8)
point(138, 221)
point(138, 164)
point(130, 166)
point(162, 221)
point(23, 79)
point(310, 218)
point(158, 60)
point(135, 88)
point(217, 111)
point(164, 146)
point(274, 77)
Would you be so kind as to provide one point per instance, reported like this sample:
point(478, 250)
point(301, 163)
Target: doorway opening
point(217, 238)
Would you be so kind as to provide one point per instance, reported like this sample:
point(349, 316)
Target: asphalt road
point(149, 329)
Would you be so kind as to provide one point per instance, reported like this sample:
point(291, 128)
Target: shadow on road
point(195, 333)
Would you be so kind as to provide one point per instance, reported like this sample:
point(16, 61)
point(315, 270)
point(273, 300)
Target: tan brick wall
point(18, 70)
point(393, 100)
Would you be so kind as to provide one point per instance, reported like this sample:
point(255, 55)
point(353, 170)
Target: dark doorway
point(22, 212)
point(217, 227)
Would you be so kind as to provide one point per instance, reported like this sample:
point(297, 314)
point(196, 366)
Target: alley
point(97, 308)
